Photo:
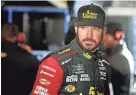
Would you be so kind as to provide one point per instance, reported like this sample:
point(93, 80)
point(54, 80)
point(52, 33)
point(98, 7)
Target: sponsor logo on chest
point(102, 69)
point(70, 88)
point(72, 78)
point(84, 77)
point(78, 69)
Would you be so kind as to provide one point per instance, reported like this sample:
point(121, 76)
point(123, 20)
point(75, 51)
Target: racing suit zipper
point(93, 67)
point(95, 72)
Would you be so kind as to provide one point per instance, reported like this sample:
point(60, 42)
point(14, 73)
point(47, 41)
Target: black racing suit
point(71, 71)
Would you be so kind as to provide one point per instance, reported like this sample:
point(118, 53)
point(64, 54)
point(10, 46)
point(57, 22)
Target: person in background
point(71, 32)
point(78, 68)
point(18, 66)
point(122, 62)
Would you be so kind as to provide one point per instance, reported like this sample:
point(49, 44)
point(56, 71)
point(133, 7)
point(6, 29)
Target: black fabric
point(18, 70)
point(120, 72)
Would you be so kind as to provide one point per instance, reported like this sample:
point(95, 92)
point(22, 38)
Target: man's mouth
point(89, 43)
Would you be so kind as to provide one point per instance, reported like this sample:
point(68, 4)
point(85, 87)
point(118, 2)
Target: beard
point(89, 46)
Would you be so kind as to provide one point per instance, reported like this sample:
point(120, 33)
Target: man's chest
point(84, 77)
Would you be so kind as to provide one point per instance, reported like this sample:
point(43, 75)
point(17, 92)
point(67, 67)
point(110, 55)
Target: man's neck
point(10, 40)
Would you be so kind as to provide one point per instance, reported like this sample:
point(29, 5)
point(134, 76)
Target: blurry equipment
point(121, 58)
point(20, 37)
point(44, 22)
point(37, 34)
point(118, 35)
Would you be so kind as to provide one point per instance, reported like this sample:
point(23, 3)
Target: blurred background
point(45, 24)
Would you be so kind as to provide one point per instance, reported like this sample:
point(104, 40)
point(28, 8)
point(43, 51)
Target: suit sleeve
point(110, 88)
point(49, 78)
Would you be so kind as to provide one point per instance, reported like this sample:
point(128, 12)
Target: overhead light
point(120, 11)
point(58, 4)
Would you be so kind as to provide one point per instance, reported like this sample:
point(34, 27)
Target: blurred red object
point(20, 38)
point(118, 35)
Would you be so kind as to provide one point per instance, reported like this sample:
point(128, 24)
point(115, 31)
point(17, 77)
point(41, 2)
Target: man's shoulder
point(63, 52)
point(102, 54)
point(61, 56)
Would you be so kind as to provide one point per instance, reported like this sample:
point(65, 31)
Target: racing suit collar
point(88, 55)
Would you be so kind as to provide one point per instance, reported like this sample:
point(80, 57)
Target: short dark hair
point(112, 27)
point(9, 29)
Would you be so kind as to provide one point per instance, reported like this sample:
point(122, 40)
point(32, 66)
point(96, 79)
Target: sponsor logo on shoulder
point(63, 51)
point(44, 81)
point(43, 72)
point(41, 91)
point(49, 68)
point(66, 61)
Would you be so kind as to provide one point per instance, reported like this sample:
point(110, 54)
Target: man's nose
point(89, 32)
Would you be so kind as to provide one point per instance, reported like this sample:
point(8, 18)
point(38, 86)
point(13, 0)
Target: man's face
point(89, 37)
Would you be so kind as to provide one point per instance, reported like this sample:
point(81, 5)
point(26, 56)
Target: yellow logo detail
point(66, 50)
point(89, 15)
point(92, 91)
point(87, 56)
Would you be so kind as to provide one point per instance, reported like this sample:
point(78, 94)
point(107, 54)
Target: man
point(121, 59)
point(18, 67)
point(78, 68)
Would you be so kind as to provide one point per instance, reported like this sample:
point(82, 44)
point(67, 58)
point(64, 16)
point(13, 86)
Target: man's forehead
point(89, 26)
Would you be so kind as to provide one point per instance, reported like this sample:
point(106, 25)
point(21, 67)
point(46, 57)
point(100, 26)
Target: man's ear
point(75, 29)
point(104, 34)
point(104, 30)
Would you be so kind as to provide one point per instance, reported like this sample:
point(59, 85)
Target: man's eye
point(95, 28)
point(83, 27)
